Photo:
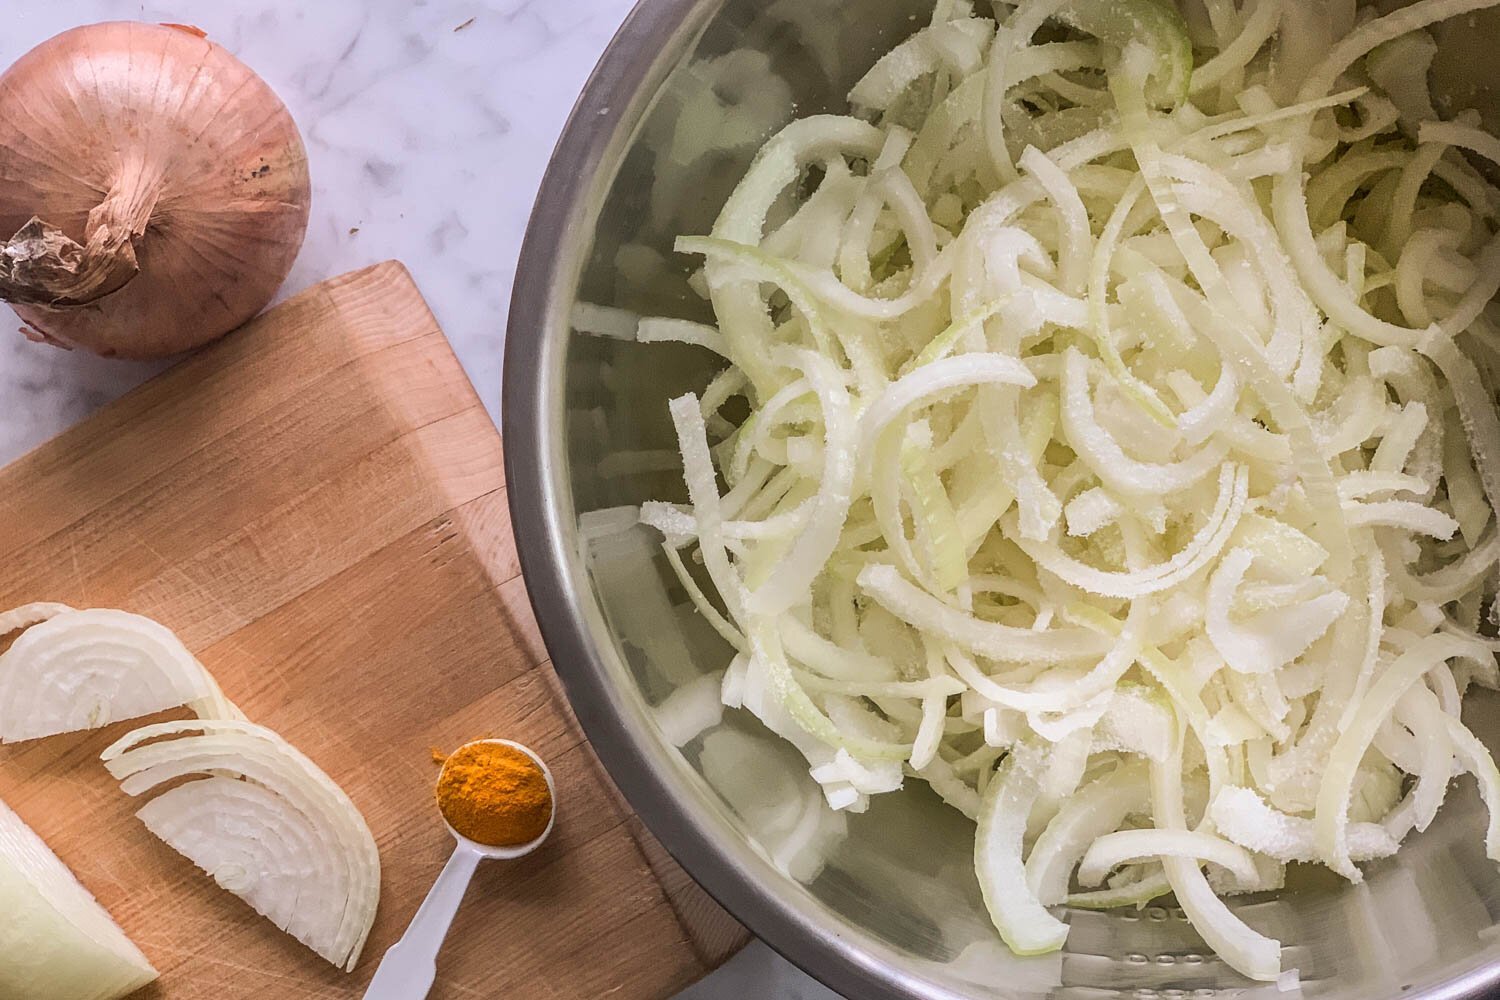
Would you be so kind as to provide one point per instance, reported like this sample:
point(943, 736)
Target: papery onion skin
point(157, 187)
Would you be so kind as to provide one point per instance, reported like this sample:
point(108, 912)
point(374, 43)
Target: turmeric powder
point(494, 794)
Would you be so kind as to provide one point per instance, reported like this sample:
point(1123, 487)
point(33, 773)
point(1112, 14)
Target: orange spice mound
point(494, 795)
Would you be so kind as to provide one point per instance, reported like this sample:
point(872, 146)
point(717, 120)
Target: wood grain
point(317, 506)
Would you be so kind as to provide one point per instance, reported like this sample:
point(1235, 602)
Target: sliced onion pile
point(259, 817)
point(56, 941)
point(1122, 456)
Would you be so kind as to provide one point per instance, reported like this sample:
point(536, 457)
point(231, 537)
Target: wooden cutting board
point(317, 505)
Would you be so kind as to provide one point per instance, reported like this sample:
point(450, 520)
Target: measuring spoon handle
point(410, 966)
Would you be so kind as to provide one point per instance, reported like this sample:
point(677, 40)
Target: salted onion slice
point(1096, 809)
point(1241, 815)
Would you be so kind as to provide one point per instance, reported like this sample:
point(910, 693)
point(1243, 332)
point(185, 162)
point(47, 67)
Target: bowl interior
point(884, 903)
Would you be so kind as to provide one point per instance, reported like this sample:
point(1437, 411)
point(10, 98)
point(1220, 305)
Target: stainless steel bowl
point(882, 905)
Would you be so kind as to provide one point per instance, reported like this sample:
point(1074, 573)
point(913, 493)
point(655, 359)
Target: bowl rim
point(551, 258)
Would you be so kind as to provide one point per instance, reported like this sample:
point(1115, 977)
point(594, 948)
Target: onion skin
point(157, 187)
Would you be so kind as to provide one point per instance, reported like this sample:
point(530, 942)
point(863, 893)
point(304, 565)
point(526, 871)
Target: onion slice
point(1023, 922)
point(264, 821)
point(1271, 639)
point(1244, 817)
point(28, 615)
point(1097, 808)
point(81, 670)
point(1134, 846)
point(1250, 952)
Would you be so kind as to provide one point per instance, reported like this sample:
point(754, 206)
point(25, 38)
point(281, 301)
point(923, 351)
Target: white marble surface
point(428, 124)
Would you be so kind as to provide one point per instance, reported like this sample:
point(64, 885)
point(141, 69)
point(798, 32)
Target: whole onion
point(157, 189)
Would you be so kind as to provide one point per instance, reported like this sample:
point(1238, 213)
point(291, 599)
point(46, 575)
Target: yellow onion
point(157, 189)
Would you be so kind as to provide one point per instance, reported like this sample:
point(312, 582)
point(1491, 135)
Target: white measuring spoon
point(410, 966)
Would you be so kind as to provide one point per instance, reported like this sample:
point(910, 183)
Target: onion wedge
point(56, 941)
point(264, 821)
point(81, 670)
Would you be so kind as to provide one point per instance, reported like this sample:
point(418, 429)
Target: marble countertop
point(428, 124)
